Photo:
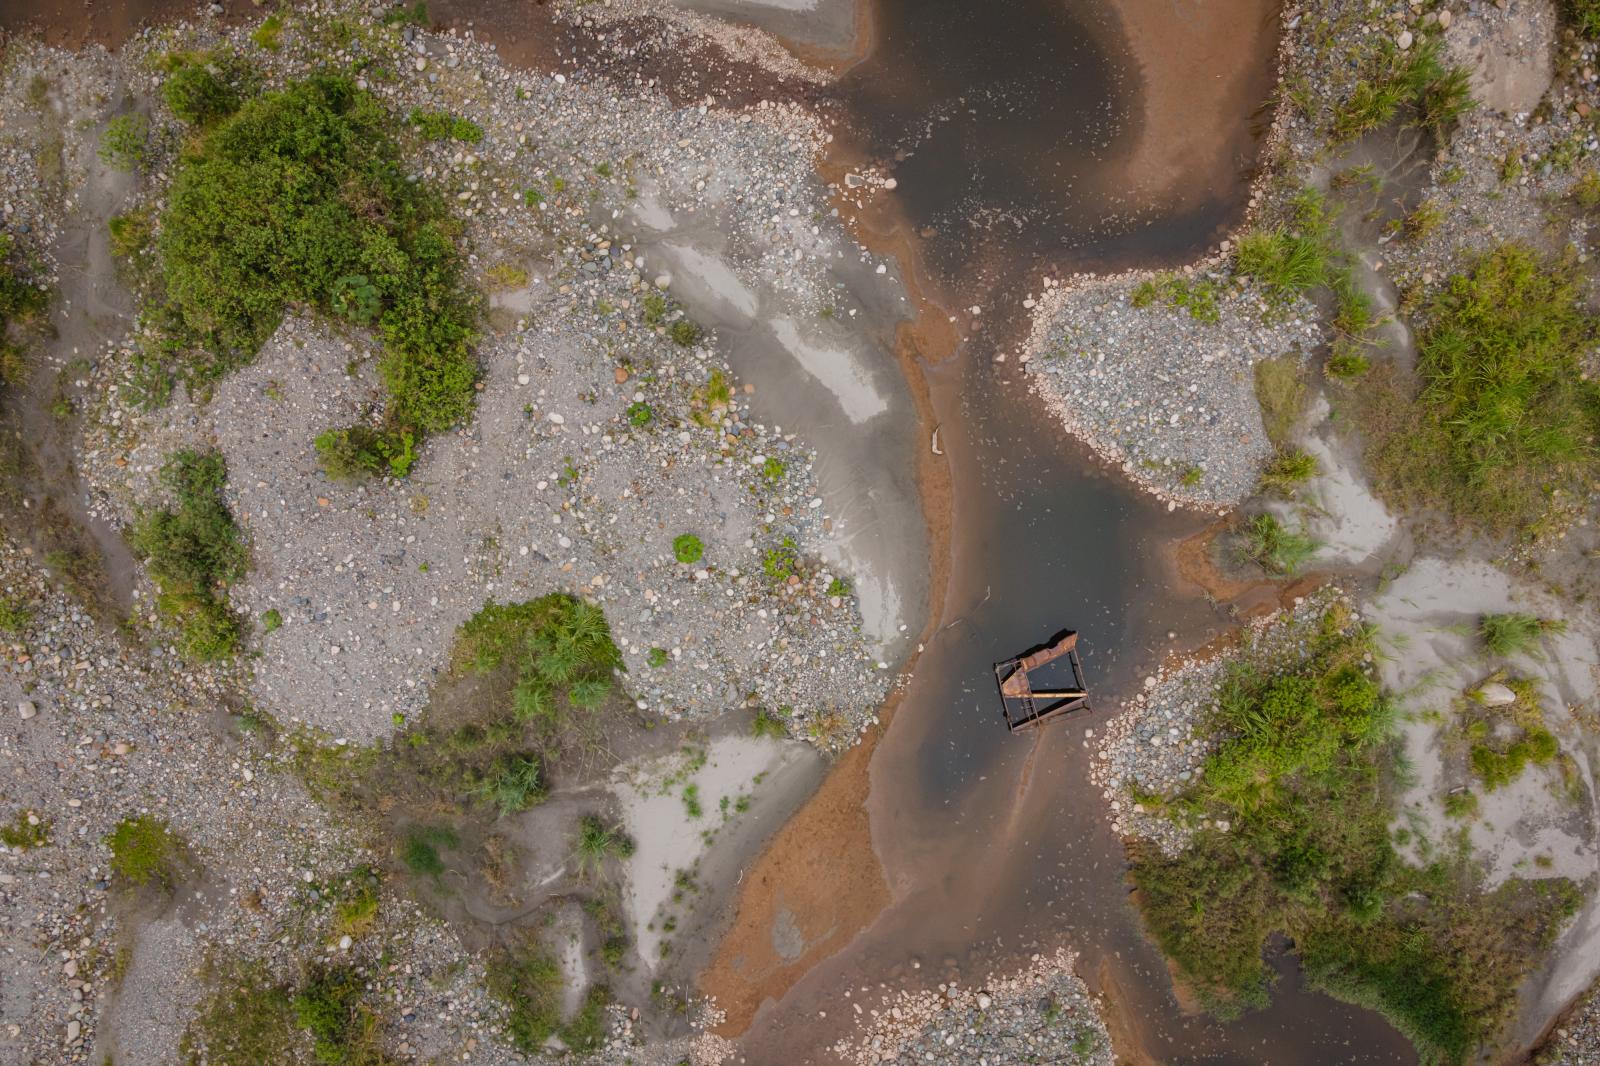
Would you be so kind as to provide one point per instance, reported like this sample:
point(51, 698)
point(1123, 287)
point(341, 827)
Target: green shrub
point(839, 586)
point(1275, 547)
point(1347, 362)
point(1503, 413)
point(767, 725)
point(302, 197)
point(1284, 263)
point(686, 548)
point(1583, 16)
point(1197, 296)
point(125, 144)
point(556, 645)
point(1516, 632)
point(639, 414)
point(655, 309)
point(194, 553)
point(1496, 768)
point(1390, 79)
point(361, 452)
point(1462, 804)
point(658, 657)
point(343, 1030)
point(772, 470)
point(14, 616)
point(203, 90)
point(781, 562)
point(587, 1029)
point(144, 850)
point(269, 35)
point(271, 619)
point(20, 304)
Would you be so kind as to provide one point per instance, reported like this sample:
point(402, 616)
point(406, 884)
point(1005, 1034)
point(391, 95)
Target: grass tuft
point(194, 552)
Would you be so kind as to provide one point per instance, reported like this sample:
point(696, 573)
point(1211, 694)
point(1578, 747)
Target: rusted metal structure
point(1025, 706)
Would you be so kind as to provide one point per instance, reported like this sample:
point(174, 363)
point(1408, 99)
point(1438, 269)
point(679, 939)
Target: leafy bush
point(202, 90)
point(1198, 297)
point(26, 830)
point(1502, 413)
point(144, 850)
point(246, 1020)
point(686, 548)
point(20, 304)
point(269, 35)
point(1497, 768)
point(125, 145)
point(515, 784)
point(1583, 16)
point(14, 616)
point(194, 553)
point(301, 197)
point(343, 1030)
point(781, 562)
point(361, 451)
point(555, 645)
point(684, 333)
point(767, 725)
point(640, 414)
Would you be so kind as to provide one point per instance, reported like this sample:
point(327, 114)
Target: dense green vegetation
point(1583, 16)
point(596, 842)
point(1303, 777)
point(144, 850)
point(1502, 416)
point(194, 552)
point(299, 198)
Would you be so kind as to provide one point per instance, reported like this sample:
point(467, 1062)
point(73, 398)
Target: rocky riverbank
point(1042, 1013)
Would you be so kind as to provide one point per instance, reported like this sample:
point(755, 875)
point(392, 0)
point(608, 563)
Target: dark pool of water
point(997, 119)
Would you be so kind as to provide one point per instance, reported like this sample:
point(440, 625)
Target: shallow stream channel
point(1018, 134)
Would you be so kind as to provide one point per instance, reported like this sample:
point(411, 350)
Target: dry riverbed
point(614, 416)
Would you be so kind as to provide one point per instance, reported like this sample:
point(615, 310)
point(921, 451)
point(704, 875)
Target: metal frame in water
point(1033, 706)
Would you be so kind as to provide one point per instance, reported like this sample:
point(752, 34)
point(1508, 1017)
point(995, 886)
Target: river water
point(1009, 126)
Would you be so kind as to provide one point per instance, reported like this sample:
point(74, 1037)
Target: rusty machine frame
point(1026, 707)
